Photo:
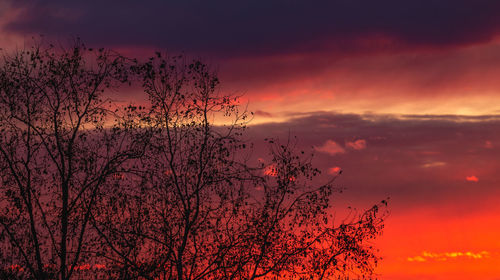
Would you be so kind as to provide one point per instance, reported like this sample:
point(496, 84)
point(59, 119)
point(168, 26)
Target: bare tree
point(194, 207)
point(163, 192)
point(189, 178)
point(291, 231)
point(58, 147)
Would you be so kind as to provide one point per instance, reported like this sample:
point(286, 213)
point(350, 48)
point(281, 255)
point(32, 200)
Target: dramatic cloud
point(421, 57)
point(421, 163)
point(457, 81)
point(264, 26)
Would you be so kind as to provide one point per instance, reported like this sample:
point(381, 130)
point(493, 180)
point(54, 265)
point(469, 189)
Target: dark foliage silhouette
point(156, 192)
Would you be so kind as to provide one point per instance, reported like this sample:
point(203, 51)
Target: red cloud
point(359, 144)
point(334, 170)
point(331, 147)
point(472, 178)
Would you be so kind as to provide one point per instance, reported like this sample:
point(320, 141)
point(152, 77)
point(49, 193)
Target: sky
point(402, 96)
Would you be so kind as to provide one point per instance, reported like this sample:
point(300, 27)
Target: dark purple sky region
point(261, 27)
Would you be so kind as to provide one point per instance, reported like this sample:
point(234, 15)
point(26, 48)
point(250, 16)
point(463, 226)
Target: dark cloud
point(230, 27)
point(263, 113)
point(419, 162)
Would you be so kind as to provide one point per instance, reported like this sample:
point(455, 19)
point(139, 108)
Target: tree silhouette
point(160, 192)
point(190, 178)
point(203, 212)
point(55, 154)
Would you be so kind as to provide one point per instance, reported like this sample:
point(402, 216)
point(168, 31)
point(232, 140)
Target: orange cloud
point(472, 178)
point(416, 259)
point(359, 144)
point(433, 164)
point(463, 81)
point(331, 147)
point(334, 170)
point(425, 256)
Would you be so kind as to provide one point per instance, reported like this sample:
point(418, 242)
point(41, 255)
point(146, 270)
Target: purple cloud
point(251, 27)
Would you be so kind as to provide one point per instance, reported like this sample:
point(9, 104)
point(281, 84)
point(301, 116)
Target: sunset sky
point(403, 96)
